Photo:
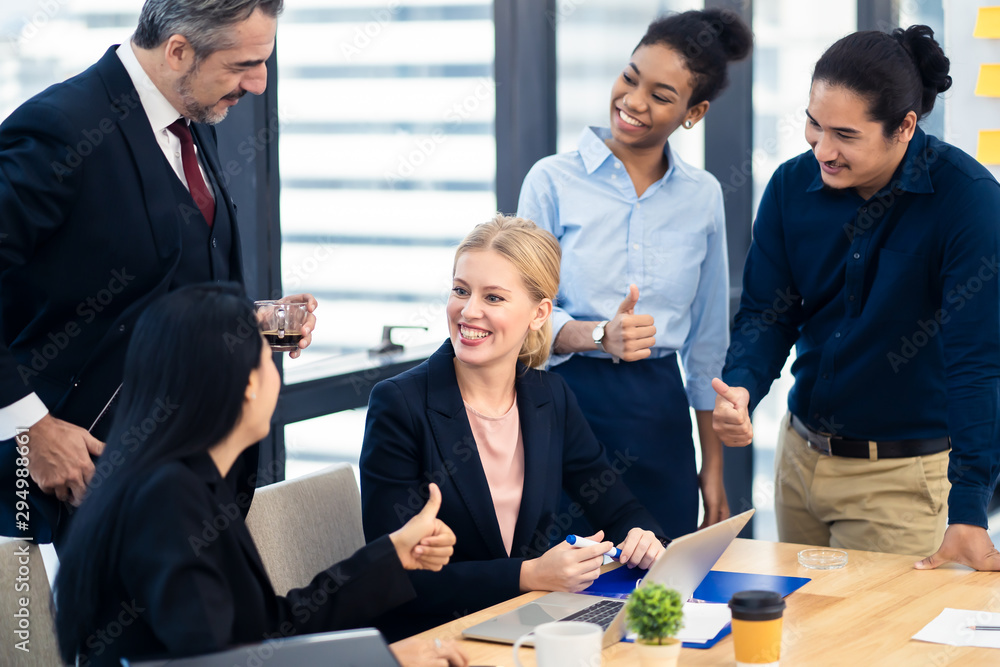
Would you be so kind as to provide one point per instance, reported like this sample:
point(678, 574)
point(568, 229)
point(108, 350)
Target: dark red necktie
point(195, 181)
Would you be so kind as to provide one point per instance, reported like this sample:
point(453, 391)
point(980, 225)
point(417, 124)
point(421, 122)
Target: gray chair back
point(305, 525)
point(21, 567)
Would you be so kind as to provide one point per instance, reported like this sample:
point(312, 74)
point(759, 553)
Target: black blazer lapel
point(452, 433)
point(207, 140)
point(152, 167)
point(537, 414)
point(223, 498)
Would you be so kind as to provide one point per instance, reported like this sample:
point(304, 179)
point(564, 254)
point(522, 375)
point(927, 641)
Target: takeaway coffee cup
point(564, 644)
point(757, 627)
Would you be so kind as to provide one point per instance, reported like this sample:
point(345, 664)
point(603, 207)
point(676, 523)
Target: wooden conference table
point(863, 614)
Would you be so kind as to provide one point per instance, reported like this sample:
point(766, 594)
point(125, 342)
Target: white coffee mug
point(564, 644)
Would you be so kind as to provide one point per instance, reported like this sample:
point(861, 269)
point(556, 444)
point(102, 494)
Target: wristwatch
point(598, 335)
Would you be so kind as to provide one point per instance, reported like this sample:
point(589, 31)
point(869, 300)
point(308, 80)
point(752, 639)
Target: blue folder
point(717, 586)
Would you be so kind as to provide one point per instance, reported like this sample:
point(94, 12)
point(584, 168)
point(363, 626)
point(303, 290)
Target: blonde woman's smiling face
point(490, 312)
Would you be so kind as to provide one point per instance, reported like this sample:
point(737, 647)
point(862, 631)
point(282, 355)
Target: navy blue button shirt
point(893, 306)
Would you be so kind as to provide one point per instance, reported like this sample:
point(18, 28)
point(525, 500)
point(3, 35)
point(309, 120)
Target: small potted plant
point(655, 614)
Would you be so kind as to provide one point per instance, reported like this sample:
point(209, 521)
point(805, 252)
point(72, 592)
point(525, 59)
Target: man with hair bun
point(113, 195)
point(875, 253)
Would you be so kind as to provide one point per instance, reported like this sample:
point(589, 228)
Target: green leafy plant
point(655, 613)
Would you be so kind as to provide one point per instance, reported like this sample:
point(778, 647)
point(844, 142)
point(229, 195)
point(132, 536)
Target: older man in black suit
point(112, 194)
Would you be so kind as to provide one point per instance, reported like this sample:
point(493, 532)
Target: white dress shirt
point(160, 112)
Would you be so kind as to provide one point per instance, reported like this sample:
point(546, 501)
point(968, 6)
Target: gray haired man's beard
point(197, 112)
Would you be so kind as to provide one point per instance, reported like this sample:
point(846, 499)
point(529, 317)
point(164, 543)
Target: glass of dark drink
point(281, 323)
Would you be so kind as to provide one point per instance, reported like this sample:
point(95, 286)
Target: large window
point(387, 159)
point(42, 43)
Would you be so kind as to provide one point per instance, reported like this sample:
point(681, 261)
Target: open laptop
point(349, 648)
point(682, 566)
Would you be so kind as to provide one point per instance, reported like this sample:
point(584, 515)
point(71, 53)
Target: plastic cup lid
point(761, 605)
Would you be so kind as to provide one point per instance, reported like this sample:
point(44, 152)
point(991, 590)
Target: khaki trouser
point(889, 505)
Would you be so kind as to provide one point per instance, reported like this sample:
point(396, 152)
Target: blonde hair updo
point(535, 254)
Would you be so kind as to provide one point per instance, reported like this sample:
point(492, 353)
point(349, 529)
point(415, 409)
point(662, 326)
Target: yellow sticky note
point(988, 84)
point(988, 23)
point(988, 151)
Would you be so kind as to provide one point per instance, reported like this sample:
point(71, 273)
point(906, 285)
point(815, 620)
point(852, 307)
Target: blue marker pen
point(577, 541)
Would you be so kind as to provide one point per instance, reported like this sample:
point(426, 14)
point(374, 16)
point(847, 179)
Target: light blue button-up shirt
point(670, 242)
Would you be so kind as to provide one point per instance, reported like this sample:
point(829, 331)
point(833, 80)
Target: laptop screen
point(349, 648)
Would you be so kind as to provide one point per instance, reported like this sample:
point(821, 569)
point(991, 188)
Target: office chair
point(25, 580)
point(305, 525)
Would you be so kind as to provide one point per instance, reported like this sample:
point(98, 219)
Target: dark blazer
point(417, 432)
point(186, 577)
point(91, 235)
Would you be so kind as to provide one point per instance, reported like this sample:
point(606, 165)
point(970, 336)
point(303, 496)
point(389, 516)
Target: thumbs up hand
point(425, 542)
point(731, 417)
point(629, 336)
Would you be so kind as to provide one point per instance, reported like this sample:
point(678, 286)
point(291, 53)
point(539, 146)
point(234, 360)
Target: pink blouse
point(501, 450)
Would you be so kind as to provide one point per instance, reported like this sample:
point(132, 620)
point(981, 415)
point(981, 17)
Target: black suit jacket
point(90, 237)
point(186, 577)
point(417, 432)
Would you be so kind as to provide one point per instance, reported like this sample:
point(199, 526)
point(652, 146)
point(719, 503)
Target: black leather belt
point(868, 449)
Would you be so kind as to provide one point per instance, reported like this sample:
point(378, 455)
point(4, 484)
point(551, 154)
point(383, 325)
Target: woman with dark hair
point(632, 217)
point(882, 241)
point(141, 574)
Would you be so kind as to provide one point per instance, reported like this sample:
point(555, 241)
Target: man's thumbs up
point(731, 417)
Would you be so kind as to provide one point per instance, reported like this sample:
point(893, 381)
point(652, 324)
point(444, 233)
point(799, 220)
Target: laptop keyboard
point(601, 613)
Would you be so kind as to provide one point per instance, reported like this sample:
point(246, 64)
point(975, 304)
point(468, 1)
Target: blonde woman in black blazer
point(418, 432)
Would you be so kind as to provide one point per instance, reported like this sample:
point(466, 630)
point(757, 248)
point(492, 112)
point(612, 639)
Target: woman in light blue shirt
point(634, 220)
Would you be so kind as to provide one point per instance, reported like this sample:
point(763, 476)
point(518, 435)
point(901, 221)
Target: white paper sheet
point(702, 621)
point(952, 627)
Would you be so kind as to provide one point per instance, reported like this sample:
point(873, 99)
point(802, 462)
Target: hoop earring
point(688, 125)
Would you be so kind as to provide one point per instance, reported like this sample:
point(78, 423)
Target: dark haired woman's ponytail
point(933, 65)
